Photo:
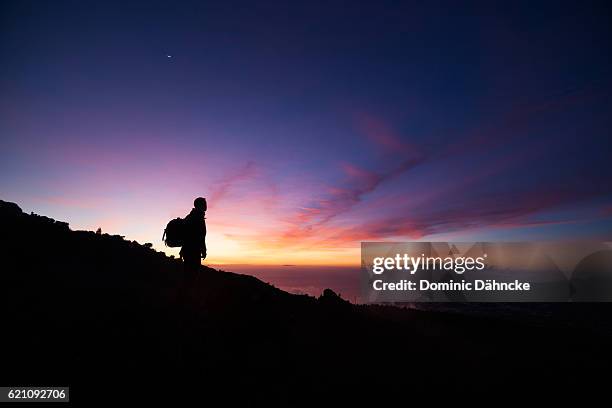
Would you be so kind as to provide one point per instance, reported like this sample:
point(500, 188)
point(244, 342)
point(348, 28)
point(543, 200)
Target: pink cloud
point(382, 134)
point(222, 187)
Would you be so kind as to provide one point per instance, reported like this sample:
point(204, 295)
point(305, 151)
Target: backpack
point(174, 234)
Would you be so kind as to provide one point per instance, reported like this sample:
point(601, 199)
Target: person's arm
point(203, 244)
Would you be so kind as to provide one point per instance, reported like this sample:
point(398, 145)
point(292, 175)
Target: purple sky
point(310, 128)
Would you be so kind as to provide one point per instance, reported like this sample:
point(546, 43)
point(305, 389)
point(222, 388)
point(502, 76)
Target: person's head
point(200, 203)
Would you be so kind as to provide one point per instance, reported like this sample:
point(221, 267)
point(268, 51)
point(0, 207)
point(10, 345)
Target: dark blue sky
point(313, 125)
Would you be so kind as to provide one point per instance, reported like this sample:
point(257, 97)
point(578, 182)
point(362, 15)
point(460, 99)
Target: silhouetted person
point(192, 252)
point(194, 240)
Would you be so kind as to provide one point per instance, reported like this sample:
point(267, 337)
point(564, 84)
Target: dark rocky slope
point(100, 314)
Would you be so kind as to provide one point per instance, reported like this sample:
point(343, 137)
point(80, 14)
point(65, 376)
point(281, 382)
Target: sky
point(310, 127)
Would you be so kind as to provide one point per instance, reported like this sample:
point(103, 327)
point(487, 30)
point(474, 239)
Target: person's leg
point(191, 266)
point(191, 269)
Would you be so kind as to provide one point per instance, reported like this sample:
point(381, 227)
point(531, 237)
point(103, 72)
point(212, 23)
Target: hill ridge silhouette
point(84, 309)
point(139, 255)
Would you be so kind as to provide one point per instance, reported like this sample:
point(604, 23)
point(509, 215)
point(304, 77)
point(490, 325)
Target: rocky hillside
point(102, 315)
